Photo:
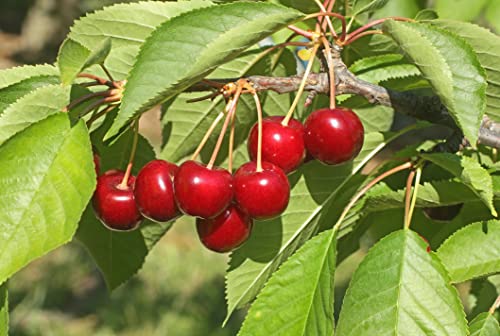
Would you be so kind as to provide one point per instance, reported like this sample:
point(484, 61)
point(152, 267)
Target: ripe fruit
point(154, 191)
point(333, 135)
point(202, 192)
point(225, 232)
point(262, 195)
point(114, 206)
point(281, 145)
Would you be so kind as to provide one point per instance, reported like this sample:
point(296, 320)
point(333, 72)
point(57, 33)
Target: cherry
point(202, 192)
point(115, 206)
point(154, 191)
point(333, 135)
point(225, 232)
point(281, 145)
point(264, 194)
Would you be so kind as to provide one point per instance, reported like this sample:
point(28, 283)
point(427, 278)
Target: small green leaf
point(484, 324)
point(15, 75)
point(469, 172)
point(4, 310)
point(401, 289)
point(299, 296)
point(426, 14)
point(452, 68)
point(218, 34)
point(47, 178)
point(487, 48)
point(91, 37)
point(74, 58)
point(366, 6)
point(119, 255)
point(472, 252)
point(31, 108)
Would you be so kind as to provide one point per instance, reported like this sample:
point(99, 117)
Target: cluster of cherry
point(226, 204)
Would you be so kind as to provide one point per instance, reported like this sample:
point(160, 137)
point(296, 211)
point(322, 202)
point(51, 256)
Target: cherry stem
point(331, 72)
point(99, 114)
point(363, 34)
point(495, 306)
point(301, 32)
point(409, 183)
point(418, 177)
point(231, 143)
point(329, 7)
point(98, 79)
point(327, 18)
point(124, 184)
point(106, 71)
point(98, 103)
point(208, 96)
point(336, 15)
point(207, 135)
point(302, 86)
point(86, 97)
point(374, 23)
point(232, 110)
point(366, 188)
point(259, 137)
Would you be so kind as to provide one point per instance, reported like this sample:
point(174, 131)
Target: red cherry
point(262, 195)
point(116, 207)
point(225, 232)
point(154, 191)
point(202, 192)
point(333, 135)
point(281, 145)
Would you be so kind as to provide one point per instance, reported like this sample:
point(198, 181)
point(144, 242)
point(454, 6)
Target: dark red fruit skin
point(225, 232)
point(154, 191)
point(281, 145)
point(333, 136)
point(115, 207)
point(202, 192)
point(262, 195)
point(97, 164)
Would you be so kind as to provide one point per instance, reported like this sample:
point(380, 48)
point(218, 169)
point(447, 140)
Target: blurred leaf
point(412, 293)
point(426, 14)
point(47, 178)
point(4, 310)
point(120, 60)
point(464, 10)
point(472, 252)
point(408, 8)
point(484, 324)
point(219, 34)
point(492, 13)
point(469, 172)
point(314, 187)
point(452, 68)
point(17, 82)
point(487, 48)
point(119, 255)
point(120, 25)
point(73, 58)
point(482, 294)
point(366, 6)
point(299, 295)
point(31, 108)
point(303, 6)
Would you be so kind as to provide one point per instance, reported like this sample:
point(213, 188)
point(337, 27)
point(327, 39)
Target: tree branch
point(428, 108)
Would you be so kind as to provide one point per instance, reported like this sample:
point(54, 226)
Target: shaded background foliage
point(180, 290)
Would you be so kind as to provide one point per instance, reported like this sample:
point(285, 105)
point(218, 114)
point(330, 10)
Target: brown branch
point(428, 108)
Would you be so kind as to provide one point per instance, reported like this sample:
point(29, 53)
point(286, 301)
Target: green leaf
point(217, 35)
point(273, 241)
point(487, 48)
point(492, 13)
point(463, 10)
point(31, 108)
point(47, 178)
point(452, 68)
point(73, 58)
point(17, 82)
point(484, 324)
point(119, 255)
point(376, 69)
point(119, 25)
point(401, 289)
point(472, 252)
point(366, 6)
point(299, 296)
point(482, 296)
point(469, 172)
point(4, 310)
point(426, 14)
